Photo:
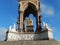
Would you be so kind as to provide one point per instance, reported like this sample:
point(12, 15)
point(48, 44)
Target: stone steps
point(42, 42)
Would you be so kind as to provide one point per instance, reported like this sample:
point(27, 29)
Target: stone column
point(20, 24)
point(21, 21)
point(39, 12)
point(38, 17)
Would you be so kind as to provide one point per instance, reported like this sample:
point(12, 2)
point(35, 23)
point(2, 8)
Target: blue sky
point(50, 11)
point(8, 12)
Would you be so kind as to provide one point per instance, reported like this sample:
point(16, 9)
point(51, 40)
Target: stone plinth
point(15, 36)
point(30, 29)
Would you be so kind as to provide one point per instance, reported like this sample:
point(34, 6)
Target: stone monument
point(24, 32)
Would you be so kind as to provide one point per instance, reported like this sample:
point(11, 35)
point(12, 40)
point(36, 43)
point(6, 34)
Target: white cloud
point(2, 33)
point(47, 10)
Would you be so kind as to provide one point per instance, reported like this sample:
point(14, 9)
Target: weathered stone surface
point(46, 35)
point(43, 42)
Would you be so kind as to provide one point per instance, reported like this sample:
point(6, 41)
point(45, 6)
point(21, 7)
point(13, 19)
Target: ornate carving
point(27, 7)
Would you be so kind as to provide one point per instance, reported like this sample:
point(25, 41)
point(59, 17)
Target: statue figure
point(30, 22)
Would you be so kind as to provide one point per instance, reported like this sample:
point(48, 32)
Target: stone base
point(15, 36)
point(30, 29)
point(19, 36)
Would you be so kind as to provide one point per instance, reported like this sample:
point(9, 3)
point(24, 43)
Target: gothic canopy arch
point(30, 9)
point(26, 8)
point(25, 5)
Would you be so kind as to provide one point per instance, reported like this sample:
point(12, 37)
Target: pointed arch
point(31, 9)
point(25, 5)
